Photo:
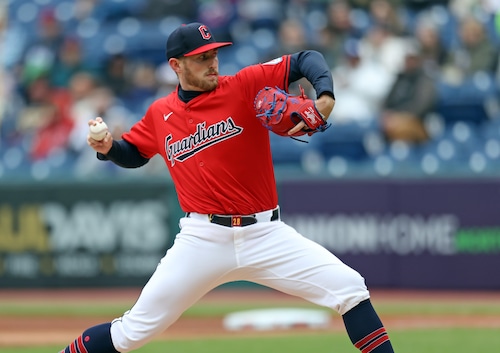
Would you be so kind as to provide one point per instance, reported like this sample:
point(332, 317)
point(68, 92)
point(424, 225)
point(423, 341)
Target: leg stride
point(365, 329)
point(96, 339)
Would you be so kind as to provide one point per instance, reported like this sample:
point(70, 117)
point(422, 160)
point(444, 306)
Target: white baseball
point(98, 130)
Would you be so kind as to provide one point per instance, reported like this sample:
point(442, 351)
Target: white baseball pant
point(205, 255)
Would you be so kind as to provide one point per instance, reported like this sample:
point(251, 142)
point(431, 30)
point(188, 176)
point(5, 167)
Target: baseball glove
point(279, 111)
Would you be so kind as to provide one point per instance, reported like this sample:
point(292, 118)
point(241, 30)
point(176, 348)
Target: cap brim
point(208, 47)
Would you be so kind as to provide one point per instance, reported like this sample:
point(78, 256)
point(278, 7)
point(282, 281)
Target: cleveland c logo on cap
point(205, 33)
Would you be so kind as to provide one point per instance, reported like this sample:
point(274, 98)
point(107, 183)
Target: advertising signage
point(412, 233)
point(82, 234)
point(430, 234)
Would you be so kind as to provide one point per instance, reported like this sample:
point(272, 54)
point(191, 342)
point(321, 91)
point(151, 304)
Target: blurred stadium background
point(64, 62)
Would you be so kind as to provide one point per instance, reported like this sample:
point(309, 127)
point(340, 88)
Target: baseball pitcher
point(213, 133)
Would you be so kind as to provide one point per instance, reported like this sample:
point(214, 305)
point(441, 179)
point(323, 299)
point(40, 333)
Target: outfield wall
point(84, 234)
point(405, 234)
point(434, 234)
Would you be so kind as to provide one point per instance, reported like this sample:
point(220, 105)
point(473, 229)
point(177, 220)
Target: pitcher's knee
point(352, 294)
point(126, 340)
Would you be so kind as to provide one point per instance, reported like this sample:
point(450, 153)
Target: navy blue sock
point(96, 339)
point(366, 330)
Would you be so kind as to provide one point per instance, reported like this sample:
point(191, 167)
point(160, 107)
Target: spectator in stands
point(12, 37)
point(7, 103)
point(167, 80)
point(81, 88)
point(386, 14)
point(261, 13)
point(105, 10)
point(41, 49)
point(68, 62)
point(143, 86)
point(339, 28)
point(474, 52)
point(13, 41)
point(361, 85)
point(461, 9)
point(38, 61)
point(292, 38)
point(433, 51)
point(83, 9)
point(382, 46)
point(44, 118)
point(115, 76)
point(49, 33)
point(411, 97)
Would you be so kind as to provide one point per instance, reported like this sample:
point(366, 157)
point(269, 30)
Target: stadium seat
point(466, 101)
point(346, 139)
point(287, 150)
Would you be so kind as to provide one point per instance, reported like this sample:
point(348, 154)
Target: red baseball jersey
point(217, 151)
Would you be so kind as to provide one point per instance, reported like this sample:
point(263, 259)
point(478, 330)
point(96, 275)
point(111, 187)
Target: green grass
point(109, 309)
point(63, 309)
point(408, 341)
point(444, 340)
point(441, 308)
point(219, 309)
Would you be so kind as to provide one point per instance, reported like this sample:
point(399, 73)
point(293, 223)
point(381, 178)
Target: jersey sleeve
point(124, 154)
point(143, 136)
point(312, 65)
point(282, 71)
point(274, 73)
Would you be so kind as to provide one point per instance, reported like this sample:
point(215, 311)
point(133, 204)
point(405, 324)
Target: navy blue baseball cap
point(191, 39)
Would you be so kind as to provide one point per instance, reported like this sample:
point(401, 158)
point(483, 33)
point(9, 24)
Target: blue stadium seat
point(465, 137)
point(289, 151)
point(345, 140)
point(490, 128)
point(467, 101)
